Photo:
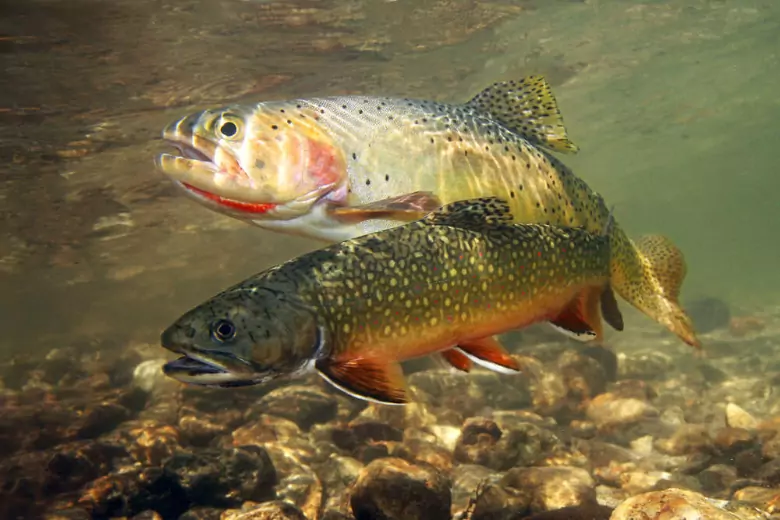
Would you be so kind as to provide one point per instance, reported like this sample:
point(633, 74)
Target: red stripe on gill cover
point(324, 165)
point(246, 207)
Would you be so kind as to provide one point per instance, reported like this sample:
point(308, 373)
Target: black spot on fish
point(354, 156)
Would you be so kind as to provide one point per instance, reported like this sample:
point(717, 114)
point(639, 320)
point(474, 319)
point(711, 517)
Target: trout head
point(255, 162)
point(242, 337)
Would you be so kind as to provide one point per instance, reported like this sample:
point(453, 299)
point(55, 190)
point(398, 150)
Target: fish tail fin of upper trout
point(656, 288)
point(527, 107)
point(581, 318)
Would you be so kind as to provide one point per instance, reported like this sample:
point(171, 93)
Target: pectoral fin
point(366, 378)
point(489, 353)
point(457, 359)
point(581, 319)
point(407, 207)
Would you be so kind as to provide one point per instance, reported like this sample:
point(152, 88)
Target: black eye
point(223, 330)
point(228, 129)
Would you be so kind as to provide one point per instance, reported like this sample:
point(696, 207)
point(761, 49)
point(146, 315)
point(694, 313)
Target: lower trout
point(335, 168)
point(352, 311)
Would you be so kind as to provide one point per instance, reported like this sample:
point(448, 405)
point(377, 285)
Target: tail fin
point(664, 272)
point(528, 108)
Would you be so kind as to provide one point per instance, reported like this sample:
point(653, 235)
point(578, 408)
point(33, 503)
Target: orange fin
point(366, 378)
point(407, 207)
point(457, 359)
point(489, 353)
point(581, 319)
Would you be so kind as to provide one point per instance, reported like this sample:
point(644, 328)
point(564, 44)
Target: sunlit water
point(674, 106)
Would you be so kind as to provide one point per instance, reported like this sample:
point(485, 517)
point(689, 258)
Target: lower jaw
point(235, 206)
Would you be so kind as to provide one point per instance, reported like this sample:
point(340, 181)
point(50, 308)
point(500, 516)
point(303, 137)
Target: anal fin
point(407, 207)
point(457, 359)
point(581, 318)
point(489, 353)
point(366, 378)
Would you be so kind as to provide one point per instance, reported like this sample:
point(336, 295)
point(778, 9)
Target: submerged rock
point(394, 489)
point(553, 487)
point(672, 504)
point(708, 314)
point(276, 510)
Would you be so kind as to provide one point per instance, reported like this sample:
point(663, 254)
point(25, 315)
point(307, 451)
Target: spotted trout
point(352, 311)
point(335, 168)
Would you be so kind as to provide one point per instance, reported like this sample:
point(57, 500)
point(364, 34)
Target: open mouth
point(196, 159)
point(199, 370)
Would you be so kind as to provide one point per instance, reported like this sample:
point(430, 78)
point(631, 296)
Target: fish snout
point(174, 338)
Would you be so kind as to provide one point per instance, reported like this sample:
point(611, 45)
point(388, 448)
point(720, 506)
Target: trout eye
point(228, 129)
point(228, 126)
point(223, 330)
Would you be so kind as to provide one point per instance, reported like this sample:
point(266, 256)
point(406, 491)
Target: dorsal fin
point(473, 214)
point(527, 107)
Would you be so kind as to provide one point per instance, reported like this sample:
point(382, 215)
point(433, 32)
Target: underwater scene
point(390, 259)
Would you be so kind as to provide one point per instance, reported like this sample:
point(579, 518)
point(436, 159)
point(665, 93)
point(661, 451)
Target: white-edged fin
point(583, 336)
point(369, 378)
point(487, 364)
point(489, 353)
point(353, 394)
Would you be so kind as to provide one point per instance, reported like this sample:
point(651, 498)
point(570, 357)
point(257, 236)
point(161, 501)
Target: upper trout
point(339, 167)
point(352, 311)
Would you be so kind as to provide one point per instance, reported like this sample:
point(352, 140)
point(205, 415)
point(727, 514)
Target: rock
point(483, 442)
point(149, 515)
point(202, 513)
point(610, 411)
point(71, 513)
point(338, 474)
point(147, 442)
point(297, 482)
point(394, 489)
point(263, 429)
point(717, 478)
point(644, 365)
point(134, 490)
point(304, 405)
point(467, 480)
point(766, 499)
point(737, 417)
point(276, 510)
point(586, 512)
point(708, 314)
point(214, 477)
point(200, 430)
point(689, 438)
point(671, 504)
point(583, 375)
point(553, 487)
point(731, 440)
point(468, 394)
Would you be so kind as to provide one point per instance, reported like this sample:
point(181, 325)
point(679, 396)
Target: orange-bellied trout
point(352, 311)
